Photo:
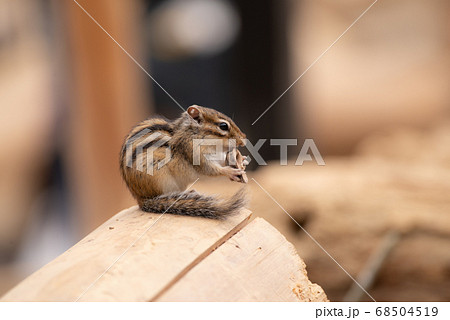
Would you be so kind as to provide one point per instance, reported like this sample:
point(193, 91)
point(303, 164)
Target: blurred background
point(377, 106)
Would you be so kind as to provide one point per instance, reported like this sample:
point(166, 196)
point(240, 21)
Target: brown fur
point(163, 190)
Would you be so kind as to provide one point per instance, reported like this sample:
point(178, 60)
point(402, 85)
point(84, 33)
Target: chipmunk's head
point(213, 124)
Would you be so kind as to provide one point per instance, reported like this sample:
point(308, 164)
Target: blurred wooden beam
point(109, 97)
point(368, 274)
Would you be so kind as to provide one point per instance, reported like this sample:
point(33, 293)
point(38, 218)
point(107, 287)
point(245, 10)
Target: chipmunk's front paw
point(234, 174)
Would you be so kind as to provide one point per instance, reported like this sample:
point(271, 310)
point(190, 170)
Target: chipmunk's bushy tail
point(191, 203)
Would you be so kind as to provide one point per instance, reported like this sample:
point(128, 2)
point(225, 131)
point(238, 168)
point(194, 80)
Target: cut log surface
point(256, 264)
point(137, 256)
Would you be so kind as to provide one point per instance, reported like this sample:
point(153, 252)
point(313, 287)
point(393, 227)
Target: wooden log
point(256, 264)
point(168, 249)
point(137, 256)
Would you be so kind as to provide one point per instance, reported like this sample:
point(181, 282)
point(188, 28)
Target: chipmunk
point(157, 163)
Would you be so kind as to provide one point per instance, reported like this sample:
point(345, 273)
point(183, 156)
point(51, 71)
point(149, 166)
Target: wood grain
point(256, 264)
point(157, 256)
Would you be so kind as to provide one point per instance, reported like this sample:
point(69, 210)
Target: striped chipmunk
point(160, 158)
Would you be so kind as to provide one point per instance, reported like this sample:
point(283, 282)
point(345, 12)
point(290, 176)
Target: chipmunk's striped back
point(144, 151)
point(149, 134)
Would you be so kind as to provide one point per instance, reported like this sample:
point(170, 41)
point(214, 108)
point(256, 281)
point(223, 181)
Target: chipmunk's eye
point(224, 126)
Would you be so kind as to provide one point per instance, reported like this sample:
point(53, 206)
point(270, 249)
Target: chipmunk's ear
point(194, 112)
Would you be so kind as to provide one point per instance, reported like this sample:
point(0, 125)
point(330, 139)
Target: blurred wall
point(391, 68)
